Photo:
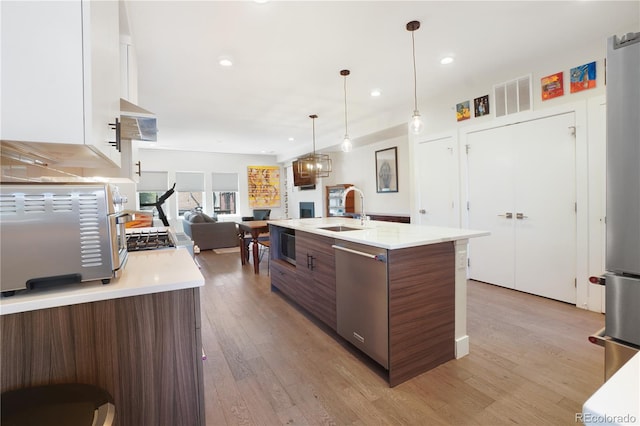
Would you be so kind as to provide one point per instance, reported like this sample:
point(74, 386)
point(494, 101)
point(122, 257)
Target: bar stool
point(71, 404)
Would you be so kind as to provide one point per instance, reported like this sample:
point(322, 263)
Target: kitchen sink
point(340, 228)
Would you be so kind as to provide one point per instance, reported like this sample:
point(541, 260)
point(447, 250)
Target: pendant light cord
point(313, 127)
point(415, 78)
point(346, 131)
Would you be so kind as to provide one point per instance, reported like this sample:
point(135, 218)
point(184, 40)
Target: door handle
point(508, 215)
point(521, 216)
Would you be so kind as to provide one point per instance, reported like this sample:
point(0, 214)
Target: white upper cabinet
point(60, 75)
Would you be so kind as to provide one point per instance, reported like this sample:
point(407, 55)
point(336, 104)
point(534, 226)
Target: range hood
point(137, 123)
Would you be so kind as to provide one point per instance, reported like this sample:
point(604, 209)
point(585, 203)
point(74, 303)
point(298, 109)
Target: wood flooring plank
point(269, 362)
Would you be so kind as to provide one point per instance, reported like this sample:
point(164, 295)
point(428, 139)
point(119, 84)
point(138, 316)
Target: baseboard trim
point(462, 346)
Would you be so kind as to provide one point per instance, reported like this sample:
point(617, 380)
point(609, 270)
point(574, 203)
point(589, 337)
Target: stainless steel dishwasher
point(362, 298)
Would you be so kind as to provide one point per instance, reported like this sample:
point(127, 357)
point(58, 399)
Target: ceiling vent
point(512, 96)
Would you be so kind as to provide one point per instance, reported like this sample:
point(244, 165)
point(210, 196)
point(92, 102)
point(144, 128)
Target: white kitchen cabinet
point(60, 75)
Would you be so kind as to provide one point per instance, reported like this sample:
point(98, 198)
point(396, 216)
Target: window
point(190, 190)
point(225, 192)
point(151, 187)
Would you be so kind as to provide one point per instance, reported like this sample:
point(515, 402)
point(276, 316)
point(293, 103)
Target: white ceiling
point(287, 56)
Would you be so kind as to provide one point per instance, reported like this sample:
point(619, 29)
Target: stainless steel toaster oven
point(59, 233)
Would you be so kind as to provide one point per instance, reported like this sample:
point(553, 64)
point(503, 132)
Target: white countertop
point(389, 235)
point(617, 402)
point(150, 271)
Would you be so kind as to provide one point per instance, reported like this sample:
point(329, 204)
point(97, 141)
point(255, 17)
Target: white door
point(522, 189)
point(437, 169)
point(490, 168)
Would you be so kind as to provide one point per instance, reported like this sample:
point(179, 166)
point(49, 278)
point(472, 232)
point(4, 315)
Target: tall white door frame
point(522, 189)
point(582, 186)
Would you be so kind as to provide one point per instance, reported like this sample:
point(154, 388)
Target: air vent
point(34, 203)
point(8, 204)
point(61, 203)
point(512, 96)
point(89, 217)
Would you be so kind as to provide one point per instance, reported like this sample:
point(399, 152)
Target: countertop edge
point(146, 272)
point(616, 401)
point(387, 235)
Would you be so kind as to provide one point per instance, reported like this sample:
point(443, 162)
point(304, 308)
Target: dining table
point(253, 228)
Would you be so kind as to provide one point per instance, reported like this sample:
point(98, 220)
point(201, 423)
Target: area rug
point(227, 250)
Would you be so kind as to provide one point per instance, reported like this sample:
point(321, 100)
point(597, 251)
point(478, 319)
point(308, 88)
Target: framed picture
point(463, 111)
point(552, 86)
point(481, 106)
point(264, 186)
point(583, 77)
point(387, 170)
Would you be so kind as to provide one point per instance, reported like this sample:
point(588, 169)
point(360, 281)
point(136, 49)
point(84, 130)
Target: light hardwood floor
point(269, 364)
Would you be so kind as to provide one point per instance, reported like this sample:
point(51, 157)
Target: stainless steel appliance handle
point(123, 218)
point(380, 257)
point(598, 338)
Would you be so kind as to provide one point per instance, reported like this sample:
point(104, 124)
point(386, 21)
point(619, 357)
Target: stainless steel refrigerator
point(622, 277)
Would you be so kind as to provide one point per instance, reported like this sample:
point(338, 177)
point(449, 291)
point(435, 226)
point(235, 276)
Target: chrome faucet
point(363, 215)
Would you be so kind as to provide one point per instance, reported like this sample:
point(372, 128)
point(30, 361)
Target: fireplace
point(307, 209)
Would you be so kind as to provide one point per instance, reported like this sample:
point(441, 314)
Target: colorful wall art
point(583, 77)
point(481, 106)
point(463, 111)
point(552, 86)
point(264, 186)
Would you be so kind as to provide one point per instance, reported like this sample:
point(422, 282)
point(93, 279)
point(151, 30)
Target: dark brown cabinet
point(315, 260)
point(146, 351)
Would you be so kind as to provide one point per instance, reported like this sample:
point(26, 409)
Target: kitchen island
point(424, 314)
point(137, 337)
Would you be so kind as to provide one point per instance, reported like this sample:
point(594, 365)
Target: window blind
point(224, 182)
point(153, 182)
point(189, 182)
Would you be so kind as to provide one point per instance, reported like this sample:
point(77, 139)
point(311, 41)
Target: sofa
point(208, 233)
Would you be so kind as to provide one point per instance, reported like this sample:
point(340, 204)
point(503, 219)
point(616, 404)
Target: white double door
point(521, 188)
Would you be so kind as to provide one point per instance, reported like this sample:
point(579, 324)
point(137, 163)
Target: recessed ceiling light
point(225, 61)
point(376, 92)
point(260, 1)
point(291, 139)
point(446, 60)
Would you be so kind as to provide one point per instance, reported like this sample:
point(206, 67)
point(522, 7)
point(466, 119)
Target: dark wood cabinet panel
point(421, 309)
point(317, 276)
point(283, 277)
point(144, 350)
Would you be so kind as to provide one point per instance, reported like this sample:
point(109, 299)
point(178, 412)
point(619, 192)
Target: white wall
point(358, 168)
point(208, 163)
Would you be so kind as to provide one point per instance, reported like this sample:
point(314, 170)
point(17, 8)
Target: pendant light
point(346, 145)
point(314, 164)
point(415, 125)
